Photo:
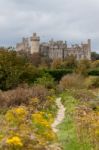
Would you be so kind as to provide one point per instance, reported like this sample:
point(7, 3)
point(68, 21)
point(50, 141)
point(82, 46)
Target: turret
point(35, 43)
point(89, 49)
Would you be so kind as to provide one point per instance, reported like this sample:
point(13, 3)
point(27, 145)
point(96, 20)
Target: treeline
point(17, 69)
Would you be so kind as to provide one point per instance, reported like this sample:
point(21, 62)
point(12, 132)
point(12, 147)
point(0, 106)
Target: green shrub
point(94, 72)
point(29, 74)
point(57, 74)
point(46, 80)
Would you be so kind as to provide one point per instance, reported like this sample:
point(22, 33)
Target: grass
point(67, 134)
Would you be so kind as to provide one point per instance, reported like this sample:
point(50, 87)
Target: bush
point(95, 64)
point(47, 81)
point(94, 72)
point(70, 62)
point(24, 95)
point(82, 67)
point(56, 64)
point(71, 81)
point(57, 74)
point(83, 95)
point(95, 83)
point(23, 130)
point(92, 82)
point(29, 74)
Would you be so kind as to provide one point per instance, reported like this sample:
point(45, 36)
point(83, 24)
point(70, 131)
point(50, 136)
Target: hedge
point(57, 74)
point(94, 72)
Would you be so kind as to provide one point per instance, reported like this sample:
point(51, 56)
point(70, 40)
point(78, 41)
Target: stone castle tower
point(35, 43)
point(55, 49)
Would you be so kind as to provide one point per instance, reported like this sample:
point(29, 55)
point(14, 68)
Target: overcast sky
point(70, 20)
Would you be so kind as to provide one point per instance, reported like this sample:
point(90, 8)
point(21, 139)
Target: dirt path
point(60, 115)
point(59, 118)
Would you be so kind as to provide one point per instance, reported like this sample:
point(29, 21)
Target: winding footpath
point(58, 120)
point(60, 115)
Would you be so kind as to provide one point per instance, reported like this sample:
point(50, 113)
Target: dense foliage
point(95, 56)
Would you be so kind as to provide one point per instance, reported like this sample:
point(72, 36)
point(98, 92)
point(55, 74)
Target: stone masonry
point(54, 49)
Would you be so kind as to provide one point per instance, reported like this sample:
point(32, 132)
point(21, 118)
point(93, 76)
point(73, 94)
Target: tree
point(30, 74)
point(70, 62)
point(94, 56)
point(11, 67)
point(35, 59)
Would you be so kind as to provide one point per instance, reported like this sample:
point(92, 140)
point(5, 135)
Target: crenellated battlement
point(55, 49)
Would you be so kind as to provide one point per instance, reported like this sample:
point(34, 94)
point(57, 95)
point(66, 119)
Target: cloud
point(71, 20)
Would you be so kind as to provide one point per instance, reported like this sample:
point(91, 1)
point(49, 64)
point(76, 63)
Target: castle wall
point(55, 49)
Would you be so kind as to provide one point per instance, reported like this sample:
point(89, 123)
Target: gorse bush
point(23, 129)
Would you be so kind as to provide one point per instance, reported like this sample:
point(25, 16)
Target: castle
point(54, 49)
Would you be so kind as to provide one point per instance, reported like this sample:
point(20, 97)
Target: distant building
point(54, 49)
point(23, 46)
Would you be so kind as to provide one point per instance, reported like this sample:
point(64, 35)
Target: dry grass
point(73, 81)
point(22, 95)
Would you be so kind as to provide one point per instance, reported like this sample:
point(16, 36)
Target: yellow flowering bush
point(42, 118)
point(23, 129)
point(16, 114)
point(14, 141)
point(43, 122)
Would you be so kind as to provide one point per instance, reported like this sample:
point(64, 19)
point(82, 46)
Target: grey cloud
point(71, 20)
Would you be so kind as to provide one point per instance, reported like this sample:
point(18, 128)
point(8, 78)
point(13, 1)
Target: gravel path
point(60, 115)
